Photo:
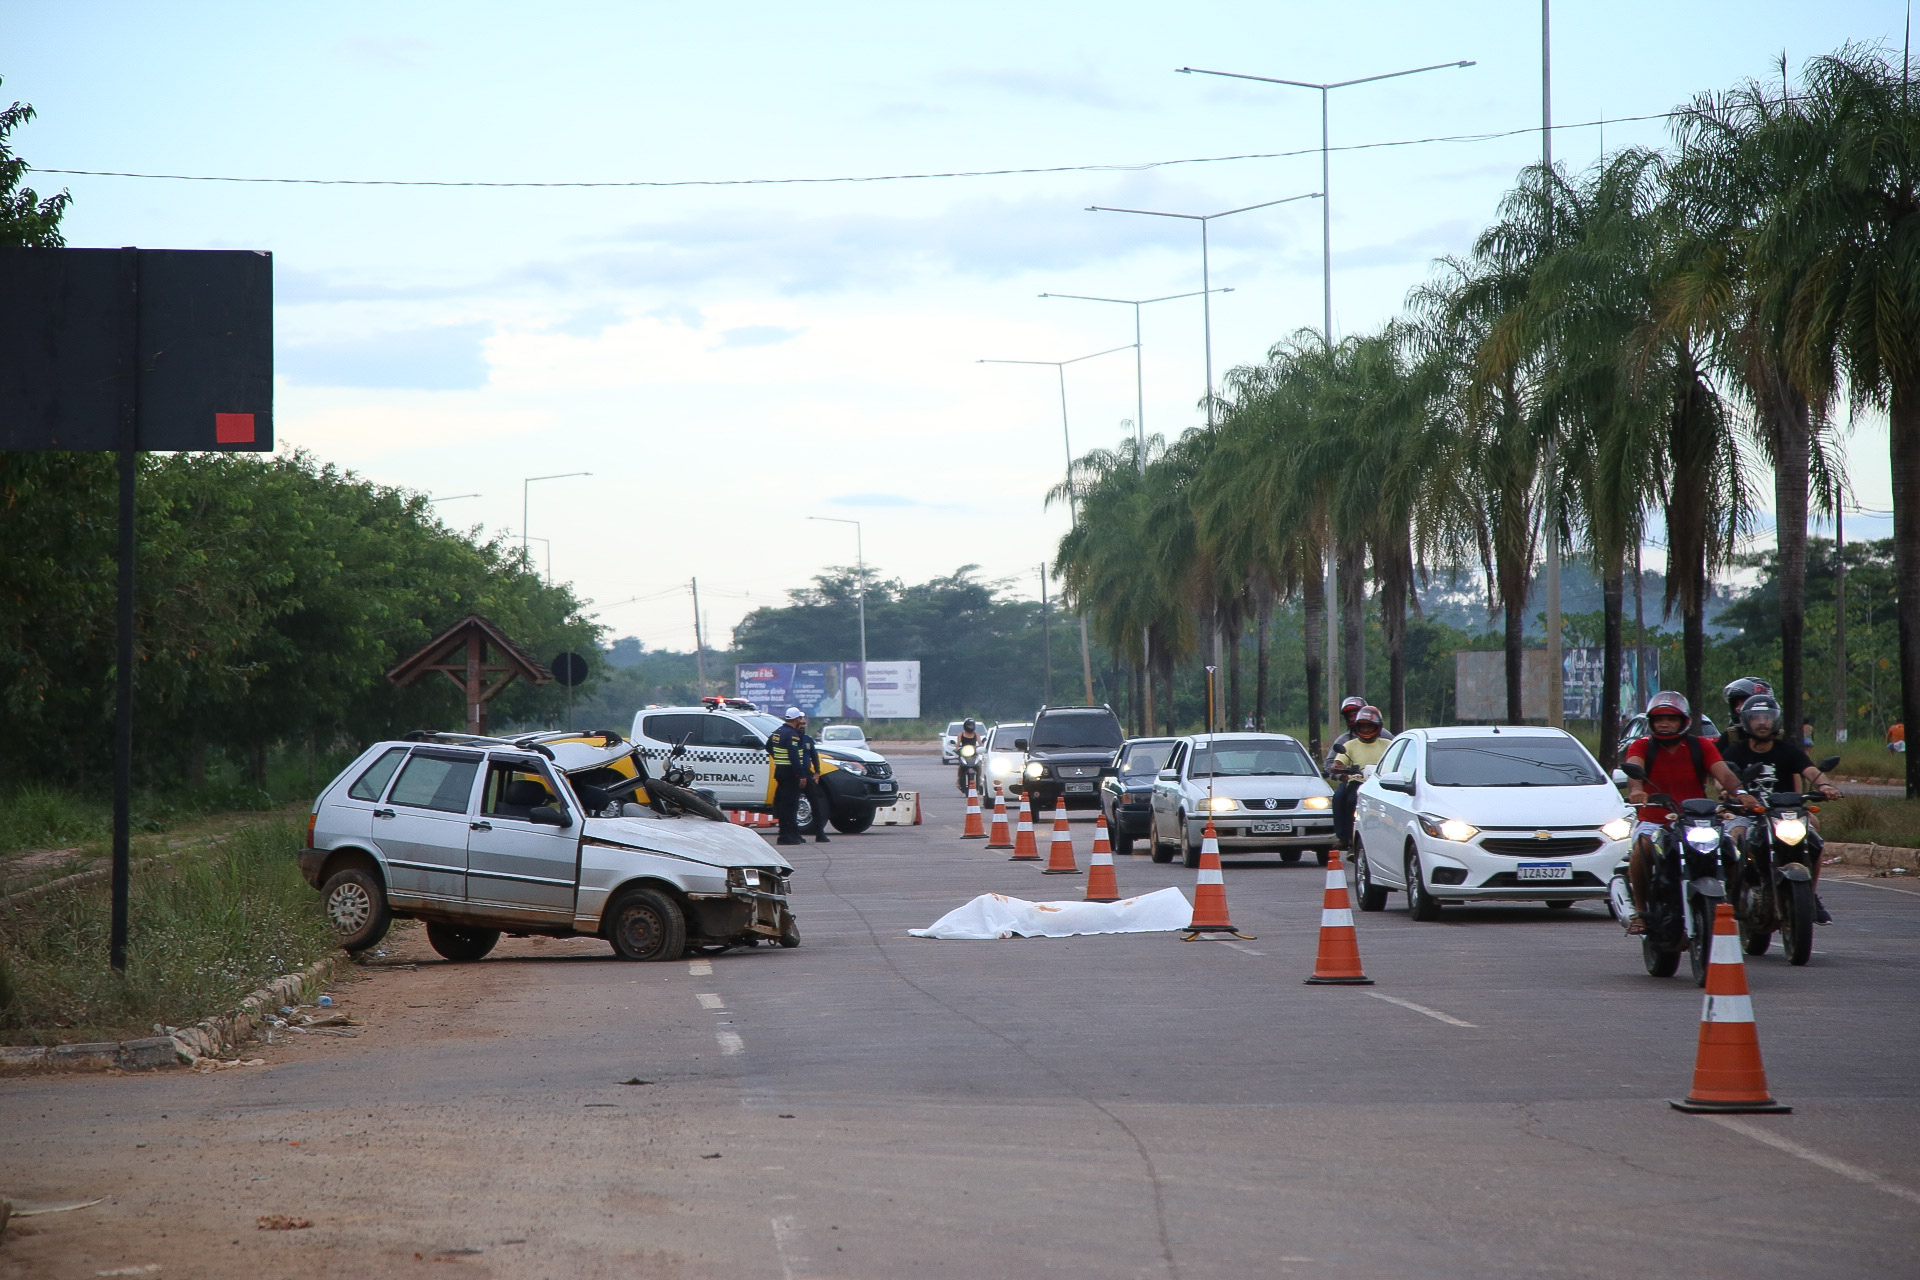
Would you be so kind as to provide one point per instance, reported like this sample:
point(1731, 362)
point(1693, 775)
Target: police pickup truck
point(726, 747)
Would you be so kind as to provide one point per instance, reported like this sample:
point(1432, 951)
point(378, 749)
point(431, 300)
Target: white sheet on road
point(995, 915)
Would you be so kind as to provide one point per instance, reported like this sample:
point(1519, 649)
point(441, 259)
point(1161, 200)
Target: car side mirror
point(1397, 782)
point(546, 815)
point(1168, 775)
point(1827, 765)
point(748, 740)
point(1634, 771)
point(1019, 744)
point(1110, 771)
point(1619, 778)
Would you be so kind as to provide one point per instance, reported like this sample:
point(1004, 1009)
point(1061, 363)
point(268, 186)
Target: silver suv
point(554, 834)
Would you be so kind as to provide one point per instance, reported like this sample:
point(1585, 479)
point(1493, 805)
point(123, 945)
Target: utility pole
point(699, 642)
point(1556, 668)
point(1046, 641)
point(1839, 618)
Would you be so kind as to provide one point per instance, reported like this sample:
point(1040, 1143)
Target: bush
point(1891, 820)
point(206, 929)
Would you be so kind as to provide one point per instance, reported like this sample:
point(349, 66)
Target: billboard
point(832, 690)
point(1480, 682)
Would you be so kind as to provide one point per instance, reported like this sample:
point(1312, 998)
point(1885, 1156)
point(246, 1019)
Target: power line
point(1140, 167)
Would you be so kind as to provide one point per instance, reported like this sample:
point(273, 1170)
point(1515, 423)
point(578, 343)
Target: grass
point(206, 929)
point(1892, 820)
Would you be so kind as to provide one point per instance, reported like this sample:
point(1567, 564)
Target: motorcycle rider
point(1736, 693)
point(1676, 763)
point(969, 736)
point(1348, 707)
point(1365, 746)
point(1784, 765)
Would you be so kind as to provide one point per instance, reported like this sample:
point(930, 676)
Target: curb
point(1877, 856)
point(208, 1038)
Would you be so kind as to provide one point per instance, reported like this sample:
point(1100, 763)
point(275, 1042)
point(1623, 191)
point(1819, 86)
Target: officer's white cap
point(794, 713)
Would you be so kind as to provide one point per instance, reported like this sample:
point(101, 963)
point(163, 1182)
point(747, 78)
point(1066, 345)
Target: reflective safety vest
point(786, 748)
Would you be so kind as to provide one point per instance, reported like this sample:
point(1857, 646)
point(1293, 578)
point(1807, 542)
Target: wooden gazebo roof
point(461, 654)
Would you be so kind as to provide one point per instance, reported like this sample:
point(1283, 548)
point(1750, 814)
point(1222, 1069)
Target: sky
point(730, 360)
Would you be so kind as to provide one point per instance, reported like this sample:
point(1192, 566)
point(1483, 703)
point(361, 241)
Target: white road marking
point(1447, 1018)
point(729, 1042)
point(699, 968)
point(1865, 1177)
point(787, 1244)
point(1228, 942)
point(708, 1000)
point(1868, 884)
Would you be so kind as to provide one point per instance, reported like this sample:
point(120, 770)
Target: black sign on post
point(125, 350)
point(569, 669)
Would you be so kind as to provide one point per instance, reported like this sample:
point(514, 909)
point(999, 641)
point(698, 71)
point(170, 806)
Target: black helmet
point(968, 723)
point(1742, 689)
point(1669, 703)
point(1760, 709)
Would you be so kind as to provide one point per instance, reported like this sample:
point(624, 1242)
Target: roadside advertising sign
point(832, 690)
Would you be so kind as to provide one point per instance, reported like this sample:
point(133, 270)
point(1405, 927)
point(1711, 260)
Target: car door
point(742, 773)
point(526, 868)
point(1385, 813)
point(421, 830)
point(1166, 789)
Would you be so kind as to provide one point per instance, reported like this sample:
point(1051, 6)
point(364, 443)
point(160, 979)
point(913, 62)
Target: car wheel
point(1154, 844)
point(1560, 904)
point(1421, 905)
point(790, 932)
point(1122, 838)
point(460, 944)
point(645, 924)
point(1189, 852)
point(803, 813)
point(355, 903)
point(1322, 856)
point(1289, 855)
point(1372, 897)
point(852, 821)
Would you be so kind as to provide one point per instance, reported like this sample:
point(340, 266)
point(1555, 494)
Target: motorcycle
point(969, 775)
point(1693, 863)
point(1773, 889)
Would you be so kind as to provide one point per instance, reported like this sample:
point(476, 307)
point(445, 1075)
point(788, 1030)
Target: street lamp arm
point(1332, 84)
point(1137, 302)
point(1310, 195)
point(1235, 75)
point(1205, 217)
point(1151, 213)
point(1051, 364)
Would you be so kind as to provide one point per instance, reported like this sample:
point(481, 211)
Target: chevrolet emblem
point(1543, 835)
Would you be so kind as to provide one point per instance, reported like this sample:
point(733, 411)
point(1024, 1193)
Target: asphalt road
point(872, 1105)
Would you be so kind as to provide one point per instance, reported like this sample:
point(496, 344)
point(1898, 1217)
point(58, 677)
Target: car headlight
point(1704, 838)
point(851, 766)
point(1790, 830)
point(1317, 802)
point(1451, 829)
point(1220, 804)
point(1618, 829)
point(1035, 769)
point(999, 765)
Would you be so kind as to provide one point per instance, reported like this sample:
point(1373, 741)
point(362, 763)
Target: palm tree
point(1832, 258)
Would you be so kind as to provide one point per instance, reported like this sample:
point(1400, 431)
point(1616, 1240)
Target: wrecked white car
point(556, 834)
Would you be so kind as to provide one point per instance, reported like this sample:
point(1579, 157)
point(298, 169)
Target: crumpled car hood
point(718, 844)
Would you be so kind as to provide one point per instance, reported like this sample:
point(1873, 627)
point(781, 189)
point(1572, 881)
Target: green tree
point(27, 220)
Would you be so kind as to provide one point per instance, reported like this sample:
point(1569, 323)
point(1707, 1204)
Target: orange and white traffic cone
point(973, 830)
point(1727, 1075)
point(1000, 837)
point(1339, 960)
point(1060, 852)
point(1210, 892)
point(1024, 849)
point(1101, 884)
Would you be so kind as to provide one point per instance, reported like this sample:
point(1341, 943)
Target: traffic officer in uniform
point(786, 750)
point(810, 785)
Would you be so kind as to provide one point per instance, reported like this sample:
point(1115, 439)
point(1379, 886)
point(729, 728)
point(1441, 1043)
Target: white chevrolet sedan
point(1260, 789)
point(1487, 813)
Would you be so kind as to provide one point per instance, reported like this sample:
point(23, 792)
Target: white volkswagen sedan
point(1260, 789)
point(1486, 813)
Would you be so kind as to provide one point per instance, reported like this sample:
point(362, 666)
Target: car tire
point(1322, 856)
point(1421, 905)
point(1155, 846)
point(460, 944)
point(1560, 904)
point(1189, 852)
point(790, 932)
point(645, 924)
point(1371, 897)
point(355, 903)
point(803, 813)
point(853, 821)
point(1122, 841)
point(1290, 855)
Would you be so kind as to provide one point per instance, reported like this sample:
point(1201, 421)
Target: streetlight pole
point(860, 560)
point(526, 487)
point(1556, 672)
point(1073, 507)
point(454, 497)
point(1206, 279)
point(1326, 291)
